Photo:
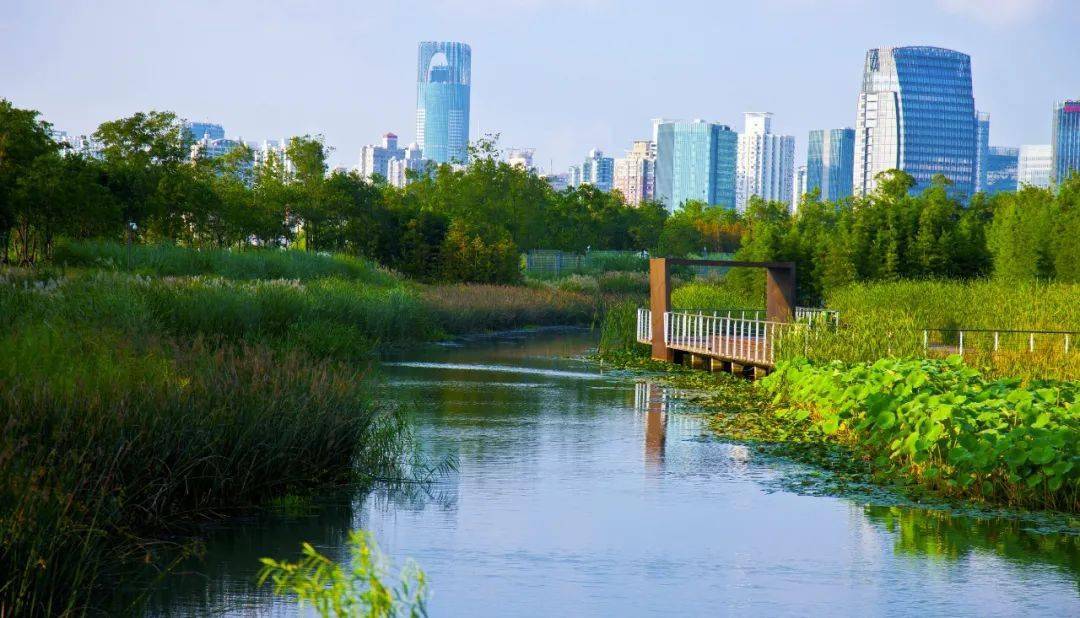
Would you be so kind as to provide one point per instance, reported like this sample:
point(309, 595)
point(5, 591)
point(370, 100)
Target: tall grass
point(109, 437)
point(474, 308)
point(713, 295)
point(887, 320)
point(253, 263)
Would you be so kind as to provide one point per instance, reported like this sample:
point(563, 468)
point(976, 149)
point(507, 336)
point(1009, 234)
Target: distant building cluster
point(915, 112)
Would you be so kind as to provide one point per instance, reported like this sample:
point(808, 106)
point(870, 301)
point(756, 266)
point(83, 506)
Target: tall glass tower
point(443, 78)
point(916, 113)
point(830, 160)
point(695, 161)
point(1066, 141)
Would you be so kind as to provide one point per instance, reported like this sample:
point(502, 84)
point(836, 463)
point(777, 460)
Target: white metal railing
point(959, 340)
point(817, 316)
point(644, 325)
point(738, 339)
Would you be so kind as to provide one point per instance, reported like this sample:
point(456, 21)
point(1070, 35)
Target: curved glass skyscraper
point(916, 113)
point(443, 78)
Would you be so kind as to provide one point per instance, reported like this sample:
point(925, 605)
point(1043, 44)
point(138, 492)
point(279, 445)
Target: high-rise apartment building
point(830, 163)
point(766, 162)
point(443, 80)
point(208, 148)
point(695, 161)
point(916, 113)
point(1033, 166)
point(598, 170)
point(800, 186)
point(634, 173)
point(1001, 169)
point(982, 149)
point(1065, 141)
point(411, 159)
point(375, 158)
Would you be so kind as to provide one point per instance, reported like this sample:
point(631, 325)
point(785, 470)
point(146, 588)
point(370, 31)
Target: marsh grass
point(110, 438)
point(170, 260)
point(887, 320)
point(469, 308)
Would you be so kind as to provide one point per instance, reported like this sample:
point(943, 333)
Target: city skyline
point(358, 79)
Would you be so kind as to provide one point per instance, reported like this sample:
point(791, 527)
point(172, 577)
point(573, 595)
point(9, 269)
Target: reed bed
point(170, 260)
point(468, 308)
point(888, 320)
point(706, 295)
point(111, 437)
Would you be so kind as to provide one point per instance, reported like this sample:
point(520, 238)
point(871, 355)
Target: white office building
point(765, 164)
point(1033, 167)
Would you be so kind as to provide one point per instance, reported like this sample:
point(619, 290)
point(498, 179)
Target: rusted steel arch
point(779, 293)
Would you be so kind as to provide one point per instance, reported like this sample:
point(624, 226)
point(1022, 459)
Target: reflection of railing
point(972, 340)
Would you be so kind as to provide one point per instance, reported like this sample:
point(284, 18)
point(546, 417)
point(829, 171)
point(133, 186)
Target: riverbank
point(138, 404)
point(932, 427)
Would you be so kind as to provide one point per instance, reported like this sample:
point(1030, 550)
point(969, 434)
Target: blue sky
point(561, 76)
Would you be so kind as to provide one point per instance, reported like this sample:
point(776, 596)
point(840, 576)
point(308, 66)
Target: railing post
point(1031, 342)
point(1066, 343)
point(996, 341)
point(961, 343)
point(925, 341)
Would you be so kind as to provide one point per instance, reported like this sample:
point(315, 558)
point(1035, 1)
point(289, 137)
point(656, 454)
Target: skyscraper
point(443, 79)
point(982, 149)
point(916, 113)
point(634, 173)
point(695, 161)
point(598, 170)
point(766, 162)
point(830, 161)
point(1001, 169)
point(1033, 167)
point(1066, 141)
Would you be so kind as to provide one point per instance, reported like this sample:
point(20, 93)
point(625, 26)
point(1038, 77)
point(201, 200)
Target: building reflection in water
point(651, 401)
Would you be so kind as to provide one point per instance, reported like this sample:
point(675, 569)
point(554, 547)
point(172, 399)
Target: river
point(579, 492)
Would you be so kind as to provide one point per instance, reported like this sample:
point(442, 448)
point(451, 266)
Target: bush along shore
point(140, 399)
point(942, 426)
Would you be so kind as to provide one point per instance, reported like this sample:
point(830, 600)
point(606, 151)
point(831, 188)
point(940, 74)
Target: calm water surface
point(582, 493)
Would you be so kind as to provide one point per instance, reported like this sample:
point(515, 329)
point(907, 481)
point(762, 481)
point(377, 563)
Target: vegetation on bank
point(941, 425)
point(888, 320)
point(170, 260)
point(112, 436)
point(360, 589)
point(139, 404)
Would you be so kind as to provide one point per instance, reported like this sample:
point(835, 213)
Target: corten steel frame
point(779, 293)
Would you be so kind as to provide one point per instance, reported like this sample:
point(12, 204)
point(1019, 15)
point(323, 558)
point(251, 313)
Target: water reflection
point(599, 495)
point(945, 537)
point(651, 400)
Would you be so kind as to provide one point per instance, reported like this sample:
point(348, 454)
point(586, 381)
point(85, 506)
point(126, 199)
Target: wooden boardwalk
point(742, 341)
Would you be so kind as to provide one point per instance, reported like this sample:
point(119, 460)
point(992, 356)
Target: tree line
point(472, 224)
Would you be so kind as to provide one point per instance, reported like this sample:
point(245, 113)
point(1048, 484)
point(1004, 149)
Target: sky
point(560, 76)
